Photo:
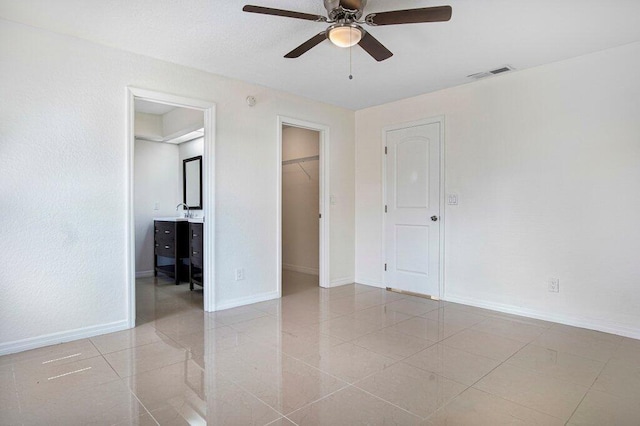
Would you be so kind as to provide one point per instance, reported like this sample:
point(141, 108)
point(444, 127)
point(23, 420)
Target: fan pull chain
point(350, 61)
point(350, 75)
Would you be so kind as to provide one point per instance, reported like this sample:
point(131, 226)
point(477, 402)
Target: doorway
point(175, 134)
point(413, 220)
point(303, 215)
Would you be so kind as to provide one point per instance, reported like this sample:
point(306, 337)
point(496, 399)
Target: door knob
point(434, 218)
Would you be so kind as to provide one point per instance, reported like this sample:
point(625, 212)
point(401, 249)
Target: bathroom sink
point(171, 219)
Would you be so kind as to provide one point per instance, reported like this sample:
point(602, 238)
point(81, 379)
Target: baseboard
point(599, 325)
point(336, 282)
point(241, 301)
point(370, 282)
point(144, 274)
point(301, 269)
point(61, 337)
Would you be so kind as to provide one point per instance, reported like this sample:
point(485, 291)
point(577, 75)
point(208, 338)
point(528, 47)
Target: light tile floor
point(345, 356)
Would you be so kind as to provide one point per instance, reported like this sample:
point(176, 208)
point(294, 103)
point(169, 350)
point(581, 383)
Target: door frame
point(209, 110)
point(324, 225)
point(432, 120)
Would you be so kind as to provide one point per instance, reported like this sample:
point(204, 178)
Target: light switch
point(452, 199)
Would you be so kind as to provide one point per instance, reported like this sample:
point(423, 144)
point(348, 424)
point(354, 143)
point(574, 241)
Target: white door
point(412, 218)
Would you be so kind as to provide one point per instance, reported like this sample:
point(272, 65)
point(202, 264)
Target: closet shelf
point(301, 160)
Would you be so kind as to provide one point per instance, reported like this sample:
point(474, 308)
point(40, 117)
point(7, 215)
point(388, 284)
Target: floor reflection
point(347, 355)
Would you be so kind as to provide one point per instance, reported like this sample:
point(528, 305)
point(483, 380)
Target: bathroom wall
point(300, 201)
point(155, 194)
point(148, 126)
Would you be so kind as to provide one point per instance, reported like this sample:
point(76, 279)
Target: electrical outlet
point(156, 206)
point(239, 274)
point(554, 285)
point(452, 199)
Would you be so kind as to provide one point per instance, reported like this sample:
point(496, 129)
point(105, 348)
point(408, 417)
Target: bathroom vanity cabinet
point(195, 254)
point(171, 249)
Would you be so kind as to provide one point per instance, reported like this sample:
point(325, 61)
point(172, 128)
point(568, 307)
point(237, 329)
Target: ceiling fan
point(346, 27)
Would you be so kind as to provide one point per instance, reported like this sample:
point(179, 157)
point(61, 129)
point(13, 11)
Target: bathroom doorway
point(170, 205)
point(303, 206)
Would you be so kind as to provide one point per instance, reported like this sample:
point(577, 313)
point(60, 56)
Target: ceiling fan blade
point(410, 16)
point(373, 47)
point(285, 13)
point(307, 45)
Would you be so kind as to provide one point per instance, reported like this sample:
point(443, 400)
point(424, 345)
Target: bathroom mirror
point(192, 182)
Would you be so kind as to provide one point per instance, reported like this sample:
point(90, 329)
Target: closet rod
point(301, 160)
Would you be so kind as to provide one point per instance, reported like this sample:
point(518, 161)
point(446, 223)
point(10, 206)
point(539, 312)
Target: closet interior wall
point(300, 200)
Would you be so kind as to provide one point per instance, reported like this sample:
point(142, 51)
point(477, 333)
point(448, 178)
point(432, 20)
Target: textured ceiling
point(216, 36)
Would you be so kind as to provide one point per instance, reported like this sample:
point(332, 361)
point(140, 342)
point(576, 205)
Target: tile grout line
point(318, 399)
point(282, 417)
point(493, 395)
point(466, 387)
point(143, 406)
point(577, 406)
point(111, 366)
point(239, 385)
point(347, 384)
point(389, 402)
point(514, 402)
point(137, 346)
point(594, 382)
point(15, 387)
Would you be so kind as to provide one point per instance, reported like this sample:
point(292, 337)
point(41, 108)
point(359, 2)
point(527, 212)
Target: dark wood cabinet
point(171, 251)
point(195, 254)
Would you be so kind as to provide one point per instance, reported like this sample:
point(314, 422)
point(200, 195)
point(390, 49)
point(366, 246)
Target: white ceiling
point(154, 108)
point(216, 36)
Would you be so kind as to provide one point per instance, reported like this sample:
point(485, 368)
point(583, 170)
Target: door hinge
point(385, 208)
point(385, 150)
point(385, 266)
point(320, 215)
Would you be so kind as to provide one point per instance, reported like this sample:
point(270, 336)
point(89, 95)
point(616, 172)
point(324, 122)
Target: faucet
point(187, 213)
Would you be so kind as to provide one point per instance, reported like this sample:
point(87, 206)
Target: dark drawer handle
point(195, 235)
point(195, 252)
point(167, 247)
point(167, 232)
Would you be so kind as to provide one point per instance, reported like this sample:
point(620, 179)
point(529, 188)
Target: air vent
point(484, 74)
point(500, 70)
point(479, 75)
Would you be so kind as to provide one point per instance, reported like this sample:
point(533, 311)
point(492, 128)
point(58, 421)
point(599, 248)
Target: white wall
point(300, 201)
point(546, 164)
point(63, 171)
point(188, 150)
point(155, 181)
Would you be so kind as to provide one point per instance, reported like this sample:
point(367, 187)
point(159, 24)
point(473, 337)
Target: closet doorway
point(303, 213)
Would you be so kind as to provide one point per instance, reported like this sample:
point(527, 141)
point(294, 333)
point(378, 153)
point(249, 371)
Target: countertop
point(180, 219)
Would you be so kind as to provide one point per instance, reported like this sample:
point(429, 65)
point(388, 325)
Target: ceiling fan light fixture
point(345, 35)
